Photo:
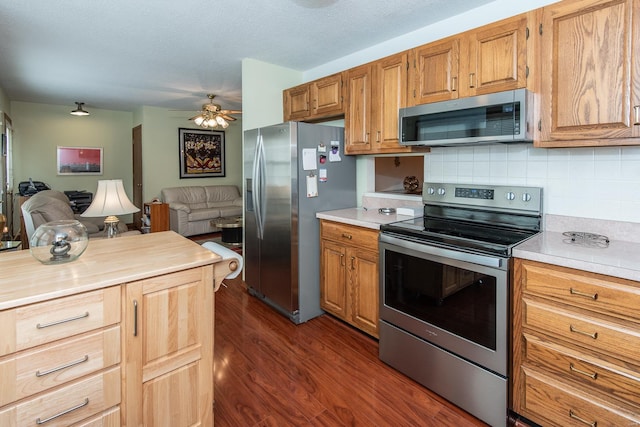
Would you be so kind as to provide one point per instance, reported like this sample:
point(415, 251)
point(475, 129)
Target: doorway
point(6, 177)
point(136, 137)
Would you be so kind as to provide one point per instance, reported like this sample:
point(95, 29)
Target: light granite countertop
point(367, 218)
point(621, 258)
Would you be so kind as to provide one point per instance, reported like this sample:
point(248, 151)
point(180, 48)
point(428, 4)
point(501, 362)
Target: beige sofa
point(192, 208)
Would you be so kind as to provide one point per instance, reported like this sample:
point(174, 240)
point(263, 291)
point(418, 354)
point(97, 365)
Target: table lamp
point(110, 200)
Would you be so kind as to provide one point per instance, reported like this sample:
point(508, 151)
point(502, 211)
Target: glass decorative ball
point(57, 242)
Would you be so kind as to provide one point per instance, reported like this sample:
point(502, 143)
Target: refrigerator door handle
point(257, 185)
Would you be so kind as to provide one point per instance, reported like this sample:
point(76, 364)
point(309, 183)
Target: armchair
point(52, 205)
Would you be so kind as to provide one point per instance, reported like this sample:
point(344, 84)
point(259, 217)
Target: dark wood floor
point(270, 372)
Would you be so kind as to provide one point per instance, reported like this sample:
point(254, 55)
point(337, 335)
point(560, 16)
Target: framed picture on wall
point(201, 153)
point(79, 161)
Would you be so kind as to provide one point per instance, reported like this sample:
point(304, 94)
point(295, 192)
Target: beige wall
point(40, 128)
point(161, 167)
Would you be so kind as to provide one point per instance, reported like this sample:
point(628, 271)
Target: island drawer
point(42, 368)
point(32, 325)
point(68, 404)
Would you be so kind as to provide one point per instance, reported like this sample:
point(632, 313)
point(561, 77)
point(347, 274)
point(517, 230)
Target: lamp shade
point(110, 199)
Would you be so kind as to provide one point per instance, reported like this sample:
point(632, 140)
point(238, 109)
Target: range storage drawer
point(607, 295)
point(591, 373)
point(564, 406)
point(588, 332)
point(32, 325)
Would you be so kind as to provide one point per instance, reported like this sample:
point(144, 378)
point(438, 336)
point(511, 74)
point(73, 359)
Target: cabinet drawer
point(30, 372)
point(352, 235)
point(48, 321)
point(591, 333)
point(67, 405)
point(108, 418)
point(607, 295)
point(564, 406)
point(560, 362)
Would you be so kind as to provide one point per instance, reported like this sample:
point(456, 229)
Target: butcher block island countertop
point(105, 262)
point(121, 336)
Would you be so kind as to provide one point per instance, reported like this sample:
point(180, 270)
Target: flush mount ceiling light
point(212, 115)
point(79, 111)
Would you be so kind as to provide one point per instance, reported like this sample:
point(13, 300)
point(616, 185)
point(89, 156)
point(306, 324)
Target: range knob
point(526, 197)
point(510, 195)
point(441, 191)
point(431, 190)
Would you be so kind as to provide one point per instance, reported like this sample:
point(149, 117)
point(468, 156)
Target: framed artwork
point(201, 153)
point(79, 161)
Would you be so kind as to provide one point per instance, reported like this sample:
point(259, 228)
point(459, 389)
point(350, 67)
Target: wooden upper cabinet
point(296, 103)
point(322, 98)
point(375, 93)
point(590, 73)
point(492, 58)
point(435, 76)
point(357, 112)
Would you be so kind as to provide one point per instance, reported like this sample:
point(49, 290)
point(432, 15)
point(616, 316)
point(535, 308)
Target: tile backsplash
point(599, 182)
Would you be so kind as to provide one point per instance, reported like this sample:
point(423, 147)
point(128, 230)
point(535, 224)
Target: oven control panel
point(506, 197)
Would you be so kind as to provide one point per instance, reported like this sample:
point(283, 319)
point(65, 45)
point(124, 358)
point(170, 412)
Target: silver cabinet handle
point(135, 318)
point(472, 77)
point(593, 376)
point(57, 322)
point(636, 115)
point(593, 335)
point(582, 420)
point(59, 368)
point(66, 411)
point(583, 294)
point(454, 84)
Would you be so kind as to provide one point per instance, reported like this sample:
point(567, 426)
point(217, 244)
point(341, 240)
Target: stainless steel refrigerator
point(291, 171)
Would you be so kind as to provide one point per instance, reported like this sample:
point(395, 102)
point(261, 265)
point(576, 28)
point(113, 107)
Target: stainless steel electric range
point(445, 291)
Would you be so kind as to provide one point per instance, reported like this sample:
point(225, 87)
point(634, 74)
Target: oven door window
point(456, 300)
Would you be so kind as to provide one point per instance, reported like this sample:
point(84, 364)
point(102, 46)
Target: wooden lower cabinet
point(349, 274)
point(576, 347)
point(168, 349)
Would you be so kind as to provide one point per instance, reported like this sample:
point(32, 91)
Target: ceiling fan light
point(220, 120)
point(198, 120)
point(79, 111)
point(212, 123)
point(225, 125)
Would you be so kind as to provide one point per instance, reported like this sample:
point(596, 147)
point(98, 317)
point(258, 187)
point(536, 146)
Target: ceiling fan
point(212, 115)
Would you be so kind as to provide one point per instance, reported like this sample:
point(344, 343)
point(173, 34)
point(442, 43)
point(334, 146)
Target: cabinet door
point(493, 58)
point(363, 271)
point(296, 103)
point(333, 285)
point(357, 114)
point(590, 94)
point(168, 350)
point(326, 94)
point(435, 74)
point(388, 94)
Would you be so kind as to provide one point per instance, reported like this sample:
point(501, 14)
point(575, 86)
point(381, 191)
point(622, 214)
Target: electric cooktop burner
point(488, 219)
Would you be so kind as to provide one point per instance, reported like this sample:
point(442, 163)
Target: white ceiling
point(121, 54)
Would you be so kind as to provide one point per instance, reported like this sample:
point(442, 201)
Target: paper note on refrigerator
point(312, 185)
point(309, 159)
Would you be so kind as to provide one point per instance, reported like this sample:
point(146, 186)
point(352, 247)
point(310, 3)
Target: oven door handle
point(432, 249)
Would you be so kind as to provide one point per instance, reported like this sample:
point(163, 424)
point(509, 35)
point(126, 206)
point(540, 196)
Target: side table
point(231, 228)
point(10, 245)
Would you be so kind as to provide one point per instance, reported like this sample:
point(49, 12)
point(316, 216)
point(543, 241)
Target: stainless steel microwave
point(493, 118)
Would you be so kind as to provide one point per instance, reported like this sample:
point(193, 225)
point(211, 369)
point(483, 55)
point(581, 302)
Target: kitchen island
point(122, 335)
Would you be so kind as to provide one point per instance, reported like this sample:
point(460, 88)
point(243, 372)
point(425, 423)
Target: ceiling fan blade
point(226, 117)
point(194, 117)
point(230, 112)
